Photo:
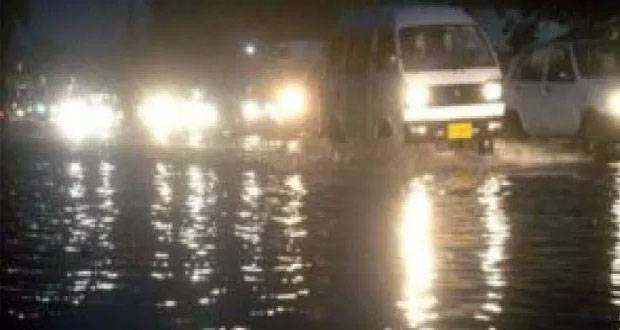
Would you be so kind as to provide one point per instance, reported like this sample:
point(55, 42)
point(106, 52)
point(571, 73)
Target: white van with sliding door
point(413, 74)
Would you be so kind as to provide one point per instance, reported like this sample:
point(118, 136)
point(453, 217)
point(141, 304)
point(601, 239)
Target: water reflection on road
point(417, 255)
point(495, 235)
point(186, 243)
point(615, 213)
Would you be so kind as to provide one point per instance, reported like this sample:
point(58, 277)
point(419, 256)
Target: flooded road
point(124, 238)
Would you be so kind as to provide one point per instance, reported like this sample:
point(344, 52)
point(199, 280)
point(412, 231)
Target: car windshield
point(444, 47)
point(598, 60)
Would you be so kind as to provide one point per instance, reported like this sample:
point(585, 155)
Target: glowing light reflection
point(417, 256)
point(615, 263)
point(496, 235)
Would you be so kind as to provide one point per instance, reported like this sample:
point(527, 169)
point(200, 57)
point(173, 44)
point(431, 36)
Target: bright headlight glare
point(292, 99)
point(159, 114)
point(78, 119)
point(72, 119)
point(103, 118)
point(250, 110)
point(200, 115)
point(492, 91)
point(417, 95)
point(614, 102)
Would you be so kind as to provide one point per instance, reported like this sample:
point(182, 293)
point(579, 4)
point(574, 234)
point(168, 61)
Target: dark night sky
point(91, 29)
point(84, 28)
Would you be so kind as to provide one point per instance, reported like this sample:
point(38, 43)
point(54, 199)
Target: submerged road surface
point(127, 238)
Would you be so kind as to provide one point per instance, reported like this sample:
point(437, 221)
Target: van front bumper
point(435, 123)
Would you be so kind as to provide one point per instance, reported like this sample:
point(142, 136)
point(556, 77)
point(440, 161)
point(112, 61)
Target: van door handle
point(547, 89)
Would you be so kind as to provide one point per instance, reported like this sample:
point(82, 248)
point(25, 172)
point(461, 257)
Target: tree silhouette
point(12, 14)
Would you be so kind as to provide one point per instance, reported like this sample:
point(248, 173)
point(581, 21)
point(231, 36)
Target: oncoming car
point(566, 89)
point(87, 117)
point(182, 118)
point(285, 96)
point(413, 74)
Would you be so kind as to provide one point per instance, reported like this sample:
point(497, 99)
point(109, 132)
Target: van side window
point(531, 66)
point(358, 54)
point(560, 65)
point(385, 50)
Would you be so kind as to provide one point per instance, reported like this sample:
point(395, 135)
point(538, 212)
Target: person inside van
point(440, 48)
point(429, 50)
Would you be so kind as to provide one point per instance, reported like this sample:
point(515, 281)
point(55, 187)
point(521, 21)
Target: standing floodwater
point(123, 239)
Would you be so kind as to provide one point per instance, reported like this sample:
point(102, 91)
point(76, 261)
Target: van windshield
point(598, 59)
point(441, 47)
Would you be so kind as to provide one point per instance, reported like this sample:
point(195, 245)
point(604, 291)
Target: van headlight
point(291, 99)
point(613, 103)
point(492, 91)
point(417, 96)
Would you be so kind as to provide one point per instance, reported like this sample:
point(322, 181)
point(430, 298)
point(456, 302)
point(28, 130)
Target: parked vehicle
point(413, 74)
point(568, 89)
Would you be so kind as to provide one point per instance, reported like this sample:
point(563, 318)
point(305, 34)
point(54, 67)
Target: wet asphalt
point(297, 234)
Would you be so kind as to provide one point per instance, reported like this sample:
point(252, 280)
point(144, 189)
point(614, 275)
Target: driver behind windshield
point(433, 48)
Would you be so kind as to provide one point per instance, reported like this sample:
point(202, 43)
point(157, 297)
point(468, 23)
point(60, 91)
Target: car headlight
point(492, 91)
point(417, 95)
point(159, 114)
point(200, 115)
point(613, 103)
point(103, 119)
point(72, 118)
point(78, 119)
point(250, 110)
point(292, 99)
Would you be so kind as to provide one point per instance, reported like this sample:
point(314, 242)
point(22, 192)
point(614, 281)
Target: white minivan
point(413, 74)
point(567, 89)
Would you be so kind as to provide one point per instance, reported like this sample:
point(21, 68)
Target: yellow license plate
point(458, 131)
